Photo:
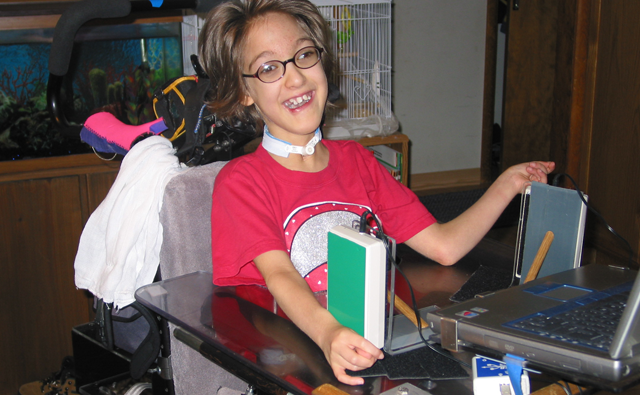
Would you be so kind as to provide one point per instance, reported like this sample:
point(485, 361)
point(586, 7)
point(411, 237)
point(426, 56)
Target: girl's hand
point(538, 171)
point(345, 349)
point(524, 173)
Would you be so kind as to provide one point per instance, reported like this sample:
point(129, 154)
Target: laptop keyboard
point(592, 324)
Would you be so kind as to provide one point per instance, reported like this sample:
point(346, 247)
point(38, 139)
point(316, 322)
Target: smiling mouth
point(296, 102)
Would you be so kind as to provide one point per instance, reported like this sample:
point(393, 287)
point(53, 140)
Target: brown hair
point(221, 47)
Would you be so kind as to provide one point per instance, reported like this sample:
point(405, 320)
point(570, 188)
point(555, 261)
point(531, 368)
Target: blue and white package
point(490, 377)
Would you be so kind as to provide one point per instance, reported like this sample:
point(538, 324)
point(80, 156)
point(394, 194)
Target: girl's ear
point(247, 100)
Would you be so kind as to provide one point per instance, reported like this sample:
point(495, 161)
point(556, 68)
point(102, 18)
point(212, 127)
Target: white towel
point(120, 245)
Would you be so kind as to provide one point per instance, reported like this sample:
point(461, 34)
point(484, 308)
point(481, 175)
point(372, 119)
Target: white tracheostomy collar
point(282, 148)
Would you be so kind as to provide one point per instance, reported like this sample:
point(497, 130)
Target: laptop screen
point(548, 208)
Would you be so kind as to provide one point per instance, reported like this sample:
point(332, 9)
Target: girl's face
point(292, 107)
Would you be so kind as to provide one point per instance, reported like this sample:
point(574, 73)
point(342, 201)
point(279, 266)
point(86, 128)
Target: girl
point(268, 61)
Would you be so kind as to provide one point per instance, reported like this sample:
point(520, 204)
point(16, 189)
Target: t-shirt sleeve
point(399, 209)
point(241, 227)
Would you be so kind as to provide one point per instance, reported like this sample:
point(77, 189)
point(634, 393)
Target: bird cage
point(362, 48)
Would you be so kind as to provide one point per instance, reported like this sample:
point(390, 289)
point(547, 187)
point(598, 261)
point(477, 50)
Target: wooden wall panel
point(41, 226)
point(569, 86)
point(98, 185)
point(546, 80)
point(45, 204)
point(529, 82)
point(614, 166)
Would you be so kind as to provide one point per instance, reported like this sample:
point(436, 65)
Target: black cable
point(363, 224)
point(390, 259)
point(561, 383)
point(597, 214)
point(567, 387)
point(564, 387)
point(419, 319)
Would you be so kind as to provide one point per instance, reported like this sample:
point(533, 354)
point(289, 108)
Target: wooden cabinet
point(45, 203)
point(571, 95)
point(610, 167)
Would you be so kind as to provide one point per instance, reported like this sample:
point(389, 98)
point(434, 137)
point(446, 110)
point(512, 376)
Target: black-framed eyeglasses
point(273, 70)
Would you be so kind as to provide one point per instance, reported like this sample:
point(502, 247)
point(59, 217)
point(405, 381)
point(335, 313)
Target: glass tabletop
point(245, 323)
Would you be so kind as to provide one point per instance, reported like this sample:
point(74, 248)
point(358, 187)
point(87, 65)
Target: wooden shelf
point(397, 141)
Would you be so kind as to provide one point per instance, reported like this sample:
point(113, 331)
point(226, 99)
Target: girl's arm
point(447, 243)
point(343, 348)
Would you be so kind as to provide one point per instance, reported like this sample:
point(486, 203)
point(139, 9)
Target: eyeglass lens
point(274, 70)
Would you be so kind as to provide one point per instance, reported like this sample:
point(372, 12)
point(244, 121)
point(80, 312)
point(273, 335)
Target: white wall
point(438, 79)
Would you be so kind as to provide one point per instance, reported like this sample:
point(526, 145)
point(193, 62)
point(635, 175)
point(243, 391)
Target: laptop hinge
point(449, 334)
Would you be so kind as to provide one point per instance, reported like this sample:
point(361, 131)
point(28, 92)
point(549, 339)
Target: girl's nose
point(294, 76)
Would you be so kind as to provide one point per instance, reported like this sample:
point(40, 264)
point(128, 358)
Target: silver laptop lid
point(626, 341)
point(548, 208)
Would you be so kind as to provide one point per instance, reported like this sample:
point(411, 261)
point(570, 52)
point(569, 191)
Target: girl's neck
point(313, 157)
point(306, 163)
point(284, 149)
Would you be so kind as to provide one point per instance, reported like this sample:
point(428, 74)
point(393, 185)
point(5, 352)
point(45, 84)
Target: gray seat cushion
point(186, 248)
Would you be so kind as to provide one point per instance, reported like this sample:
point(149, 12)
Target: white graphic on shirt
point(306, 232)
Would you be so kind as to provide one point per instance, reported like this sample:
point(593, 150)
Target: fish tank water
point(113, 68)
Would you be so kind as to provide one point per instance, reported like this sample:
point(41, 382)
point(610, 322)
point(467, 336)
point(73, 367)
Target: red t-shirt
point(260, 206)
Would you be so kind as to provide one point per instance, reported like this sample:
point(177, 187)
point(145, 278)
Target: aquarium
point(113, 68)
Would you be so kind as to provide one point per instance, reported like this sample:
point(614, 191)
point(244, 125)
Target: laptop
point(505, 323)
point(548, 208)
